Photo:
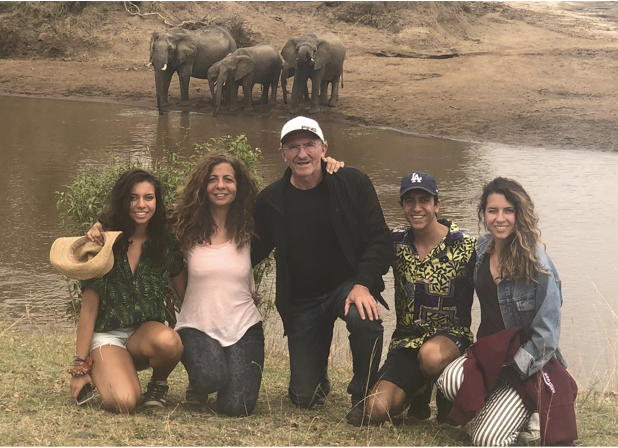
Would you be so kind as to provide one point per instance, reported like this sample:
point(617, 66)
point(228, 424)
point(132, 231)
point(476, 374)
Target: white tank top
point(218, 299)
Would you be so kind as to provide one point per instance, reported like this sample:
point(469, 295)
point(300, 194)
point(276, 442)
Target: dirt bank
point(539, 74)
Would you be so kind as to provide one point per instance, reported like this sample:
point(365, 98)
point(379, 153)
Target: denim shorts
point(117, 337)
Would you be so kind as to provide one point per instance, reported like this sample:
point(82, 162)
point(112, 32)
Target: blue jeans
point(310, 333)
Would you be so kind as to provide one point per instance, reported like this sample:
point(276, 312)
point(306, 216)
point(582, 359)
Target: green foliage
point(87, 195)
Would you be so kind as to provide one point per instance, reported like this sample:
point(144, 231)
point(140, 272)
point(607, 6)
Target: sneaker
point(444, 408)
point(357, 416)
point(194, 398)
point(419, 406)
point(155, 395)
point(532, 430)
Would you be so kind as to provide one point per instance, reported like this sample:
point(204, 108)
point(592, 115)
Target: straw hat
point(82, 259)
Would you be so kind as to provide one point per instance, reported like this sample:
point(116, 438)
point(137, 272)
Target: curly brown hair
point(518, 258)
point(192, 219)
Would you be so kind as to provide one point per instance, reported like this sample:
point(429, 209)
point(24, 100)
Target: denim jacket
point(536, 306)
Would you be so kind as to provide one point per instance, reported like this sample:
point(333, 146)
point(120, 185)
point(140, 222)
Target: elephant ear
point(186, 49)
point(323, 56)
point(289, 52)
point(153, 39)
point(244, 66)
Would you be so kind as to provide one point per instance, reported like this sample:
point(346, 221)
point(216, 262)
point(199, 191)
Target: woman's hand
point(77, 383)
point(332, 165)
point(257, 297)
point(96, 233)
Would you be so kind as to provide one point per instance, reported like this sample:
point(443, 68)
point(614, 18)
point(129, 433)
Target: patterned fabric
point(434, 295)
point(124, 300)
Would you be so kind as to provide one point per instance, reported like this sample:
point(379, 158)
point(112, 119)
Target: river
point(46, 141)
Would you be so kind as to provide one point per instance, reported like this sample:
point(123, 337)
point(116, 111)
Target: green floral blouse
point(126, 300)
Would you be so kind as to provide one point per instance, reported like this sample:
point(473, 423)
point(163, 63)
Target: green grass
point(35, 409)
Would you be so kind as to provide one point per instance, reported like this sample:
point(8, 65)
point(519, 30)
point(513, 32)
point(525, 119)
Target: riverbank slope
point(540, 74)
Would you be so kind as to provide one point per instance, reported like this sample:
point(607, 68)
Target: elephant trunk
point(159, 84)
point(219, 90)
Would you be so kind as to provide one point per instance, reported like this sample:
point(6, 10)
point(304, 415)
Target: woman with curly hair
point(120, 328)
point(518, 287)
point(219, 323)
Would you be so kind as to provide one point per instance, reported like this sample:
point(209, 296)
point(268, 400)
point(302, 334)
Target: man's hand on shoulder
point(364, 301)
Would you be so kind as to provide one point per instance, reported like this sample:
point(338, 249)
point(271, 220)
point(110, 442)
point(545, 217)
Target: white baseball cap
point(301, 124)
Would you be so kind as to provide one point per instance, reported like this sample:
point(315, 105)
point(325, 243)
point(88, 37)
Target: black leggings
point(235, 372)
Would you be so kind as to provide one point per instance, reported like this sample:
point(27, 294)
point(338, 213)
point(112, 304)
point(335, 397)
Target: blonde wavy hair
point(191, 217)
point(518, 259)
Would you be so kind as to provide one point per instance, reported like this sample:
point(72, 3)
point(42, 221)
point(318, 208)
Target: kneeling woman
point(517, 286)
point(219, 323)
point(120, 328)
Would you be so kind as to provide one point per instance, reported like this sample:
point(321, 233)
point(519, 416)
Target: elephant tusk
point(164, 67)
point(149, 64)
point(312, 60)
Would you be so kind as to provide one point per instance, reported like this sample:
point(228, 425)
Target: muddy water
point(44, 142)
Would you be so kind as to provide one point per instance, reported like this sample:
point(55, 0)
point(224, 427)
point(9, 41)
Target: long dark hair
point(117, 215)
point(193, 221)
point(518, 258)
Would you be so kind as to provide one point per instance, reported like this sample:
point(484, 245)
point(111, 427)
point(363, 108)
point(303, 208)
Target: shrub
point(88, 193)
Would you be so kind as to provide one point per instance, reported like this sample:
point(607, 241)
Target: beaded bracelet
point(81, 366)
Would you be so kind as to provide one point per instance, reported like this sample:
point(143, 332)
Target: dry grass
point(35, 410)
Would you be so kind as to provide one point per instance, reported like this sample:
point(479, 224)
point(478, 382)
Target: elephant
point(287, 72)
point(259, 64)
point(318, 57)
point(190, 53)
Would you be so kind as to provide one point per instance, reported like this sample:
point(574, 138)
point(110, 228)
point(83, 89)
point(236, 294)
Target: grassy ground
point(35, 409)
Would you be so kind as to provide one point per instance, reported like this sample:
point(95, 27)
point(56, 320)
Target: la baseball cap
point(301, 124)
point(418, 181)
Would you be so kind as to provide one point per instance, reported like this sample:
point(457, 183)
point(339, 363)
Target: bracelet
point(81, 366)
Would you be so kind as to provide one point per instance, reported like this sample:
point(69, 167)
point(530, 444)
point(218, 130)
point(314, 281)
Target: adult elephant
point(318, 57)
point(260, 64)
point(189, 53)
point(287, 71)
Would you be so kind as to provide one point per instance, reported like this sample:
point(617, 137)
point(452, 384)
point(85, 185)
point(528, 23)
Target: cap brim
point(295, 131)
point(417, 188)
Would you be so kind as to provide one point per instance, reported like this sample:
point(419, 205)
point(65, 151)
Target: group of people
point(332, 248)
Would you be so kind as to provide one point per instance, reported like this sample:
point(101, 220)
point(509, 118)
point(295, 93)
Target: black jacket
point(358, 222)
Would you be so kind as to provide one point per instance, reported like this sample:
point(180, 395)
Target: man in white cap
point(332, 248)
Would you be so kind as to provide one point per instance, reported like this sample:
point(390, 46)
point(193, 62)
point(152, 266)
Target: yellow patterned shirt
point(434, 295)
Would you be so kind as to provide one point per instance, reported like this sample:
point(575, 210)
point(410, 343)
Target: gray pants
point(234, 372)
point(499, 422)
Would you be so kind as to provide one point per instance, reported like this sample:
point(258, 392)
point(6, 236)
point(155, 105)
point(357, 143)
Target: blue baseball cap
point(418, 181)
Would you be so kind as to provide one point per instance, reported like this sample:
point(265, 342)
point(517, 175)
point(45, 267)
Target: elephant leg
point(233, 86)
point(274, 85)
point(184, 74)
point(247, 91)
point(324, 92)
point(334, 96)
point(299, 81)
point(315, 96)
point(264, 97)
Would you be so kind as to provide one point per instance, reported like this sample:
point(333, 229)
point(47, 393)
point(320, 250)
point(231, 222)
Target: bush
point(88, 193)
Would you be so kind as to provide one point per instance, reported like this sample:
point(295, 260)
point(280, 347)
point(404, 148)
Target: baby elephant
point(246, 66)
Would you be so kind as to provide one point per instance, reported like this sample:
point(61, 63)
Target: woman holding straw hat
point(120, 328)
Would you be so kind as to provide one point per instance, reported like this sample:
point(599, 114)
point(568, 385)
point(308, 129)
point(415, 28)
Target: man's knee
point(355, 324)
point(385, 401)
point(433, 357)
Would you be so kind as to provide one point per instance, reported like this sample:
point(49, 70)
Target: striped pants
point(504, 415)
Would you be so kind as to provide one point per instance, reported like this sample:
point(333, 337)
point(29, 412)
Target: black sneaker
point(194, 398)
point(444, 408)
point(357, 416)
point(155, 395)
point(419, 407)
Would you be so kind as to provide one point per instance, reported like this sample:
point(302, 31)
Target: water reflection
point(47, 141)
